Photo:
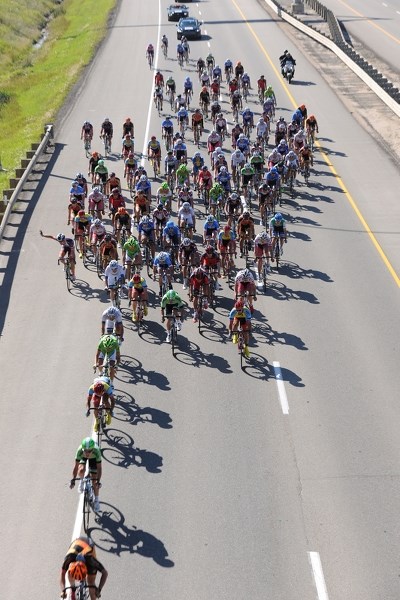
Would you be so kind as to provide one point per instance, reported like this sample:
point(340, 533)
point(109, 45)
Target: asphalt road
point(213, 487)
point(375, 23)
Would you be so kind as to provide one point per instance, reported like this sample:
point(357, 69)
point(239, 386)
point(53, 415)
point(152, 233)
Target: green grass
point(35, 82)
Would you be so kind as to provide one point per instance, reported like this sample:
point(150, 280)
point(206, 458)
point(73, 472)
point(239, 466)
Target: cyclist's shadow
point(129, 411)
point(115, 536)
point(122, 452)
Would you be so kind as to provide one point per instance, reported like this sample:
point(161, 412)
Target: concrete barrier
point(22, 176)
point(386, 91)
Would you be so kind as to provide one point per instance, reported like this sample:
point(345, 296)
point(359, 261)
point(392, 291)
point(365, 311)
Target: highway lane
point(231, 498)
point(375, 23)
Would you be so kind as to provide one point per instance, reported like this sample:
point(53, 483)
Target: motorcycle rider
point(285, 58)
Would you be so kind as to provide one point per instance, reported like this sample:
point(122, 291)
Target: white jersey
point(113, 277)
point(105, 319)
point(97, 229)
point(240, 277)
point(262, 240)
point(186, 215)
point(95, 196)
point(214, 138)
point(237, 160)
point(262, 127)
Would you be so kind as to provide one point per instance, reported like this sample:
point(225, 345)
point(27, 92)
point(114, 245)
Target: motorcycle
point(288, 71)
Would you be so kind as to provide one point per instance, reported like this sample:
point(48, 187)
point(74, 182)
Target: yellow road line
point(339, 180)
point(392, 37)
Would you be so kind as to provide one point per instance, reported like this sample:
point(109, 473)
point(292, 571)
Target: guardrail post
point(298, 7)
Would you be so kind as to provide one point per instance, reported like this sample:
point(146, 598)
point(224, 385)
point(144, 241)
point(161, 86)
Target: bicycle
point(164, 48)
point(86, 486)
point(264, 272)
point(67, 272)
point(159, 103)
point(107, 144)
point(155, 165)
point(150, 59)
point(138, 314)
point(87, 145)
point(291, 180)
point(174, 331)
point(146, 258)
point(306, 172)
point(201, 306)
point(196, 135)
point(80, 591)
point(101, 420)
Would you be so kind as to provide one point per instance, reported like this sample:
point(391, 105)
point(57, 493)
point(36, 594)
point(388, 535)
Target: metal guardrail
point(14, 196)
point(376, 81)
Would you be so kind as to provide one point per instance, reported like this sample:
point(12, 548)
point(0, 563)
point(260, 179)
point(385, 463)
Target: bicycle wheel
point(87, 506)
point(277, 253)
point(173, 337)
point(68, 276)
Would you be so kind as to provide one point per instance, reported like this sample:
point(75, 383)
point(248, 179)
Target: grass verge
point(34, 82)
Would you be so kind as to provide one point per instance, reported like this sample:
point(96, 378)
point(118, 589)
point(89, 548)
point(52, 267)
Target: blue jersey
point(167, 123)
point(171, 231)
point(166, 263)
point(146, 228)
point(272, 177)
point(182, 113)
point(214, 226)
point(143, 185)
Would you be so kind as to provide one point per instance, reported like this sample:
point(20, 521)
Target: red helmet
point(98, 388)
point(239, 304)
point(122, 210)
point(136, 278)
point(81, 213)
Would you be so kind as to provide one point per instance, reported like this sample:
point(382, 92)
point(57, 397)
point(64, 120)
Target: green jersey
point(95, 454)
point(182, 173)
point(247, 171)
point(176, 302)
point(108, 350)
point(216, 191)
point(132, 248)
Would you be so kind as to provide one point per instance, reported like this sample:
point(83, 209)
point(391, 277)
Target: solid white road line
point(281, 387)
point(318, 575)
point(151, 102)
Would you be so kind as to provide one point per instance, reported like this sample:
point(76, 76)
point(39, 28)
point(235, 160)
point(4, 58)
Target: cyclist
point(101, 389)
point(170, 164)
point(213, 141)
point(235, 132)
point(227, 247)
point(87, 131)
point(171, 235)
point(228, 68)
point(111, 322)
point(180, 52)
point(128, 128)
point(257, 162)
point(200, 65)
point(265, 198)
point(164, 43)
point(138, 290)
point(204, 98)
point(93, 162)
point(188, 257)
point(82, 181)
point(280, 130)
point(198, 120)
point(158, 95)
point(224, 179)
point(232, 207)
point(167, 128)
point(150, 53)
point(182, 175)
point(305, 157)
point(108, 250)
point(97, 233)
point(115, 201)
point(154, 150)
point(198, 163)
point(112, 182)
point(88, 450)
point(171, 305)
point(122, 220)
point(146, 234)
point(180, 150)
point(277, 230)
point(132, 255)
point(269, 93)
point(262, 247)
point(187, 219)
point(142, 198)
point(221, 125)
point(114, 276)
point(274, 158)
point(297, 117)
point(236, 100)
point(101, 172)
point(239, 69)
point(217, 73)
point(96, 202)
point(188, 87)
point(128, 145)
point(108, 346)
point(67, 250)
point(263, 130)
point(245, 230)
point(246, 81)
point(73, 208)
point(81, 563)
point(210, 260)
point(107, 128)
point(210, 61)
point(240, 315)
point(81, 229)
point(159, 79)
point(261, 86)
point(164, 197)
point(163, 264)
point(182, 117)
point(247, 173)
point(205, 179)
point(245, 286)
point(170, 85)
point(199, 284)
point(311, 125)
point(291, 164)
point(76, 191)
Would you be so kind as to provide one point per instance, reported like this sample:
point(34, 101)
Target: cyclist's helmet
point(264, 236)
point(198, 273)
point(197, 154)
point(108, 237)
point(153, 137)
point(132, 240)
point(97, 222)
point(170, 225)
point(274, 170)
point(111, 312)
point(162, 257)
point(81, 213)
point(122, 210)
point(164, 186)
point(145, 219)
point(278, 217)
point(160, 206)
point(227, 229)
point(186, 206)
point(234, 196)
point(241, 136)
point(209, 249)
point(101, 163)
point(246, 214)
point(205, 168)
point(136, 278)
point(113, 265)
point(246, 275)
point(88, 444)
point(239, 305)
point(172, 295)
point(60, 237)
point(223, 170)
point(130, 155)
point(79, 176)
point(108, 342)
point(77, 570)
point(269, 88)
point(143, 178)
point(210, 219)
point(186, 242)
point(98, 387)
